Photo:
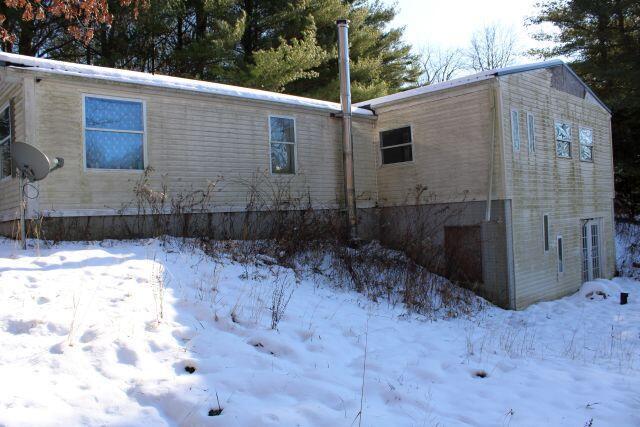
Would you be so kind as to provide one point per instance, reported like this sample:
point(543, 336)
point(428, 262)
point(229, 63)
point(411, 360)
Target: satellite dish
point(33, 163)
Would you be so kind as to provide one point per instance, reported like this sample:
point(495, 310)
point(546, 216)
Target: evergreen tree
point(279, 45)
point(604, 38)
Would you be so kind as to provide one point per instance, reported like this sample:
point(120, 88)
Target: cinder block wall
point(421, 230)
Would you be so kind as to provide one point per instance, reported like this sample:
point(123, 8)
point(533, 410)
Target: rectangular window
point(586, 144)
point(282, 140)
point(515, 129)
point(563, 139)
point(396, 145)
point(545, 232)
point(560, 255)
point(531, 132)
point(585, 251)
point(113, 133)
point(5, 142)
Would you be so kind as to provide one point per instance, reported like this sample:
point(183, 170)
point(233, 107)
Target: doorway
point(590, 249)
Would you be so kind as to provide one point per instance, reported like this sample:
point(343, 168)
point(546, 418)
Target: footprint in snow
point(88, 336)
point(126, 356)
point(57, 329)
point(43, 300)
point(18, 327)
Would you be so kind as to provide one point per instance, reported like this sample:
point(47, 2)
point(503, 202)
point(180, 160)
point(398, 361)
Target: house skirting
point(451, 239)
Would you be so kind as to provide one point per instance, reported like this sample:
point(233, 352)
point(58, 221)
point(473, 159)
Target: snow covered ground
point(102, 334)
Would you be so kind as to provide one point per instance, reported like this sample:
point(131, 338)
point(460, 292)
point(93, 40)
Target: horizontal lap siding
point(566, 189)
point(9, 189)
point(452, 139)
point(193, 139)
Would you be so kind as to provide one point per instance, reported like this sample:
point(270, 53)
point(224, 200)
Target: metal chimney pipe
point(347, 139)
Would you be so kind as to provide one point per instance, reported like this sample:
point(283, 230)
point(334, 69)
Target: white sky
point(450, 23)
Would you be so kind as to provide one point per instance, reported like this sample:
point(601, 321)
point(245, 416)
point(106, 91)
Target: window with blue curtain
point(5, 143)
point(114, 133)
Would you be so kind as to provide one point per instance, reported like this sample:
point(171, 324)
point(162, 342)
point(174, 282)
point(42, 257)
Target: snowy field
point(105, 334)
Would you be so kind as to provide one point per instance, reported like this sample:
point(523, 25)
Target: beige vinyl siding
point(568, 190)
point(193, 139)
point(451, 144)
point(9, 189)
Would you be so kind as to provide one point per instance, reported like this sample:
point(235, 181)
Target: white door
point(590, 249)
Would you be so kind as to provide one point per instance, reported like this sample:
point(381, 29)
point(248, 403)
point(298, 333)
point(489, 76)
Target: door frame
point(589, 254)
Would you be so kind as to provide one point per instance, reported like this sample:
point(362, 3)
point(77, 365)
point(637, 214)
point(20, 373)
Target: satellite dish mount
point(32, 165)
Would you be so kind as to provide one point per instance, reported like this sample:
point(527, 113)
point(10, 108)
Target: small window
point(560, 255)
point(5, 143)
point(282, 140)
point(515, 129)
point(545, 232)
point(114, 134)
point(586, 144)
point(531, 132)
point(396, 145)
point(563, 140)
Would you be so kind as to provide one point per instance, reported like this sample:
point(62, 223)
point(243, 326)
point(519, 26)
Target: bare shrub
point(169, 213)
point(380, 273)
point(282, 293)
point(158, 286)
point(73, 326)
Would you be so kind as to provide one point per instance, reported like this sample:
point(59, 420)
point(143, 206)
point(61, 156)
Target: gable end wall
point(540, 183)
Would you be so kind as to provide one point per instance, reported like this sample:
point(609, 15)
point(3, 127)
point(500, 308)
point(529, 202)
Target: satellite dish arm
point(58, 163)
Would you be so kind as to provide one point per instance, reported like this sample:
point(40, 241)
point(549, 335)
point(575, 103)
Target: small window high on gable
point(396, 145)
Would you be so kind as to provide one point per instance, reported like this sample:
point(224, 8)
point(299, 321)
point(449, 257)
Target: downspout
point(492, 149)
point(347, 138)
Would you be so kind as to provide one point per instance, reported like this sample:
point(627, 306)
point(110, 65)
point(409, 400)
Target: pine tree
point(280, 45)
point(604, 38)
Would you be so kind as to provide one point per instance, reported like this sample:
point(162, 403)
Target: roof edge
point(157, 80)
point(483, 75)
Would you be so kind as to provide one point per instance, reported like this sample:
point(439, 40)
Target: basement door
point(590, 249)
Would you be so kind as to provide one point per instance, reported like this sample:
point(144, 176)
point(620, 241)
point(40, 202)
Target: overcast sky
point(450, 23)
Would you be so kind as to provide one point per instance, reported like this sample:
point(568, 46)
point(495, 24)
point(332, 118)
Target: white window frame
point(555, 139)
point(294, 143)
point(546, 233)
point(531, 132)
point(516, 139)
point(580, 128)
point(380, 149)
point(145, 160)
point(11, 130)
point(560, 253)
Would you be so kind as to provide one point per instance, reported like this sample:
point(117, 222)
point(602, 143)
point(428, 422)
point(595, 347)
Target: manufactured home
point(507, 173)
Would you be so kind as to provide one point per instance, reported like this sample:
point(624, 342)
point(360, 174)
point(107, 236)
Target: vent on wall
point(562, 79)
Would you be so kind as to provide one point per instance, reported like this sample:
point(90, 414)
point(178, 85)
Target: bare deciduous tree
point(439, 65)
point(491, 47)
